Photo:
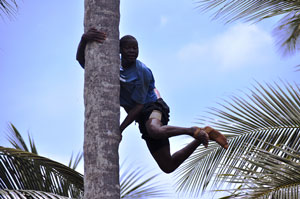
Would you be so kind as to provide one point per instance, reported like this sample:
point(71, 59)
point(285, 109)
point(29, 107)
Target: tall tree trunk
point(101, 100)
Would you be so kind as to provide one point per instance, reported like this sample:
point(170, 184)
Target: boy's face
point(129, 51)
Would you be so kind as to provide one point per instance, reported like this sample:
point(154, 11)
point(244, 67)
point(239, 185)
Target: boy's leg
point(156, 130)
point(167, 162)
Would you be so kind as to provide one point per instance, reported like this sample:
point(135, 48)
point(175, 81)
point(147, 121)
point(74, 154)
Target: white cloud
point(192, 51)
point(234, 48)
point(163, 21)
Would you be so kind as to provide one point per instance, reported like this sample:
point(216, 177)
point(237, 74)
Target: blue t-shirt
point(137, 84)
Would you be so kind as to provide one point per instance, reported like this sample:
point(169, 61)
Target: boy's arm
point(91, 35)
point(157, 93)
point(80, 52)
point(132, 115)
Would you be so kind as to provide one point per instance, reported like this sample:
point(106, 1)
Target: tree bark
point(101, 100)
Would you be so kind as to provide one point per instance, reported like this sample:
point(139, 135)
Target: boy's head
point(129, 49)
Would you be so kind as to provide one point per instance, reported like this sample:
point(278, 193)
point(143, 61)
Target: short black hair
point(127, 38)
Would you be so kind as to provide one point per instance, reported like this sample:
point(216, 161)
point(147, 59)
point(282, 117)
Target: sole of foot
point(216, 136)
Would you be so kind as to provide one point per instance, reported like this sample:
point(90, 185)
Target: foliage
point(24, 173)
point(288, 28)
point(21, 170)
point(274, 173)
point(270, 116)
point(7, 194)
point(134, 184)
point(8, 7)
point(16, 140)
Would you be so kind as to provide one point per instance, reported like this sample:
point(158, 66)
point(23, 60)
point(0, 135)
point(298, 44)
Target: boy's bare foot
point(216, 136)
point(201, 135)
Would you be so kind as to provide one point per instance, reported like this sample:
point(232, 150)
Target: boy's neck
point(126, 64)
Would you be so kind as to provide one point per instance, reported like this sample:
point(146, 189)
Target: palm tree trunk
point(101, 100)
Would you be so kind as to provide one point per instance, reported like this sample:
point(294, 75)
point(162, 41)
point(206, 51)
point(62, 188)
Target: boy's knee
point(167, 169)
point(154, 129)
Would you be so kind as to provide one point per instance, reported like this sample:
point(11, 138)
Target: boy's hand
point(94, 35)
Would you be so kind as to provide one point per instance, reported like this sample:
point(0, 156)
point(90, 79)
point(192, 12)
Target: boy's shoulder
point(143, 69)
point(141, 66)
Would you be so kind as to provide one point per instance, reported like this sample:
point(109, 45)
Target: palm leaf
point(288, 32)
point(21, 170)
point(8, 7)
point(32, 194)
point(73, 165)
point(249, 10)
point(279, 175)
point(134, 184)
point(271, 114)
point(288, 29)
point(16, 140)
point(61, 185)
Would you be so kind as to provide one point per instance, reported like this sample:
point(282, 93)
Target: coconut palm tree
point(101, 99)
point(287, 30)
point(24, 173)
point(269, 116)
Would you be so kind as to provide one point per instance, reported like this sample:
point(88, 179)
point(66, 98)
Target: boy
point(143, 103)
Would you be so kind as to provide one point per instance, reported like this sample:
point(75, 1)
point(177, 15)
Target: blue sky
point(196, 62)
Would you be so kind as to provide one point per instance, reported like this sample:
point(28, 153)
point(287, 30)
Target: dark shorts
point(160, 105)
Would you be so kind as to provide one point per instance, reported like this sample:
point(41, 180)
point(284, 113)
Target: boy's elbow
point(82, 65)
point(80, 61)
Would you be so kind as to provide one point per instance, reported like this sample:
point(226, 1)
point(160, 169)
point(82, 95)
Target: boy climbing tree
point(143, 104)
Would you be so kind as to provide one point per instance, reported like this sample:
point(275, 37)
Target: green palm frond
point(248, 10)
point(21, 170)
point(8, 7)
point(288, 29)
point(32, 194)
point(271, 114)
point(16, 140)
point(135, 185)
point(275, 174)
point(73, 165)
point(26, 173)
point(288, 32)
